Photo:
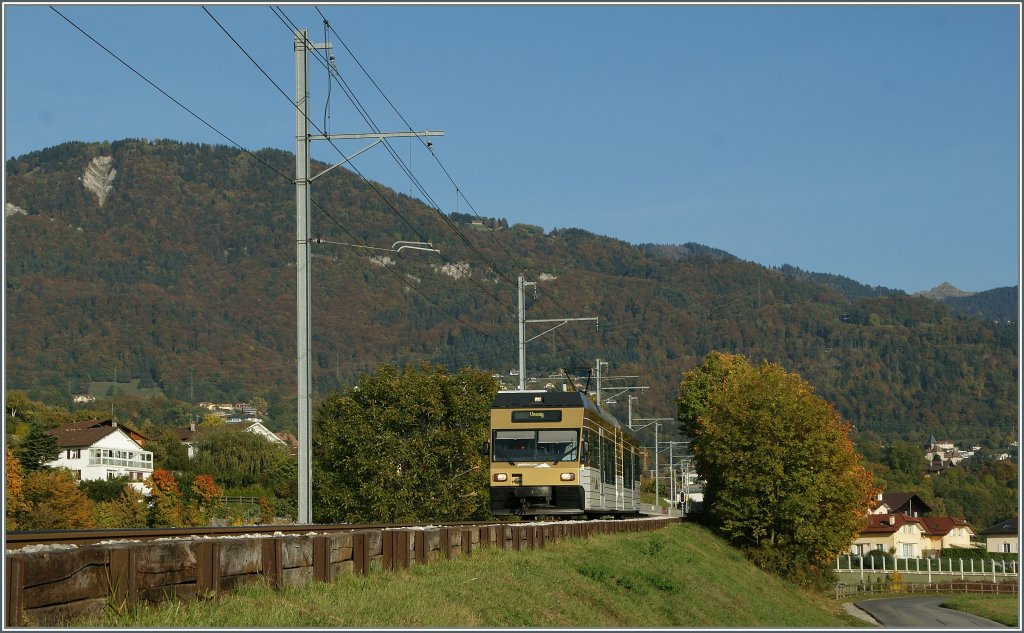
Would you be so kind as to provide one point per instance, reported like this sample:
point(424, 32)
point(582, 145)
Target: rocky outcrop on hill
point(99, 177)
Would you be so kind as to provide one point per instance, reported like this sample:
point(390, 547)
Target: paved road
point(923, 613)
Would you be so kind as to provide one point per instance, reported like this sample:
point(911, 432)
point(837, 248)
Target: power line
point(368, 119)
point(458, 190)
point(292, 27)
point(243, 149)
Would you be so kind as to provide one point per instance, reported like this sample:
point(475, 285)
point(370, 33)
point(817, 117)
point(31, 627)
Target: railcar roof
point(554, 399)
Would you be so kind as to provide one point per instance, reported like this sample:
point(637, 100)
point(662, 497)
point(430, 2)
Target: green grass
point(1002, 609)
point(680, 576)
point(131, 388)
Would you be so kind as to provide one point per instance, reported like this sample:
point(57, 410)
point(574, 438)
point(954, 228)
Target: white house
point(1002, 537)
point(100, 449)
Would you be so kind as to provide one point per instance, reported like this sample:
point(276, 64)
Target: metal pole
point(522, 336)
point(671, 474)
point(657, 490)
point(302, 277)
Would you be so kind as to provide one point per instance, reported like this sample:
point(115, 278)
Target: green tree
point(239, 460)
point(404, 446)
point(168, 451)
point(104, 489)
point(906, 458)
point(37, 448)
point(128, 510)
point(783, 480)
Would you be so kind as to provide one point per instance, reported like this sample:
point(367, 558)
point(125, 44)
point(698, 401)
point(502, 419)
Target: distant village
point(944, 455)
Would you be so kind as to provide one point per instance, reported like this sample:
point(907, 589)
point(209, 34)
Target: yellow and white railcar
point(558, 453)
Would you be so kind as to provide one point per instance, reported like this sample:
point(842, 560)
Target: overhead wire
point(440, 164)
point(278, 172)
point(294, 29)
point(458, 190)
point(398, 160)
point(235, 143)
point(317, 205)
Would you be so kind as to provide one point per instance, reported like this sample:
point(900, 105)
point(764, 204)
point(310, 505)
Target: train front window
point(536, 446)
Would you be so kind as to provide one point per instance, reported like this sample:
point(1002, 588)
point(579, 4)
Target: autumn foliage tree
point(783, 480)
point(14, 489)
point(167, 508)
point(53, 501)
point(402, 446)
point(204, 498)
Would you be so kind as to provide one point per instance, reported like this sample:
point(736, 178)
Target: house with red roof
point(896, 524)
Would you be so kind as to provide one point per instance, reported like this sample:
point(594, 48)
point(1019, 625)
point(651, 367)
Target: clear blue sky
point(879, 142)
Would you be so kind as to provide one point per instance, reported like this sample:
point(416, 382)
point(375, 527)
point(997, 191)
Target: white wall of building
point(116, 455)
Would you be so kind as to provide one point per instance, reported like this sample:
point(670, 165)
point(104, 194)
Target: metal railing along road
point(962, 567)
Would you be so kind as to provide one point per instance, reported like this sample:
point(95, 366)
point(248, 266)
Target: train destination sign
point(537, 416)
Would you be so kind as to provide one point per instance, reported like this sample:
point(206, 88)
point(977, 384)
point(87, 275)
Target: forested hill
point(175, 264)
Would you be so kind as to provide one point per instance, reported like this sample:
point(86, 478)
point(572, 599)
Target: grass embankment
point(1002, 609)
point(681, 576)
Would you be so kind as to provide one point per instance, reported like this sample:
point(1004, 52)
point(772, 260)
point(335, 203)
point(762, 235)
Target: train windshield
point(536, 446)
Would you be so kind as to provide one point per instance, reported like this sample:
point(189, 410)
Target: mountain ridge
point(184, 277)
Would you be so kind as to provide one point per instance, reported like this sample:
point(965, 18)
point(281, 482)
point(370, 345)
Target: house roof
point(83, 432)
point(932, 526)
point(897, 500)
point(888, 523)
point(940, 526)
point(1009, 526)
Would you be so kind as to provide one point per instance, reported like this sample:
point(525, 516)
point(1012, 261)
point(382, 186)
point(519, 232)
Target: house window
point(74, 453)
point(908, 550)
point(880, 547)
point(1006, 548)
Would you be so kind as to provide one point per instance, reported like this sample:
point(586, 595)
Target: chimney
point(878, 496)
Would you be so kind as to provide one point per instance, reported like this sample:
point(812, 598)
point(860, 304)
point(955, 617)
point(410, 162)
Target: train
point(559, 454)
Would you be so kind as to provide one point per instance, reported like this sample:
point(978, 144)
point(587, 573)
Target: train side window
point(608, 461)
point(627, 467)
point(595, 447)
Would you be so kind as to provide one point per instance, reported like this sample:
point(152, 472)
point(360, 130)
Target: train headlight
point(500, 477)
point(567, 476)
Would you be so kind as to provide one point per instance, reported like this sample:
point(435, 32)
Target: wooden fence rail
point(48, 587)
point(952, 586)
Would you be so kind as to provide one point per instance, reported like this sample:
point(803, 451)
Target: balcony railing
point(114, 461)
